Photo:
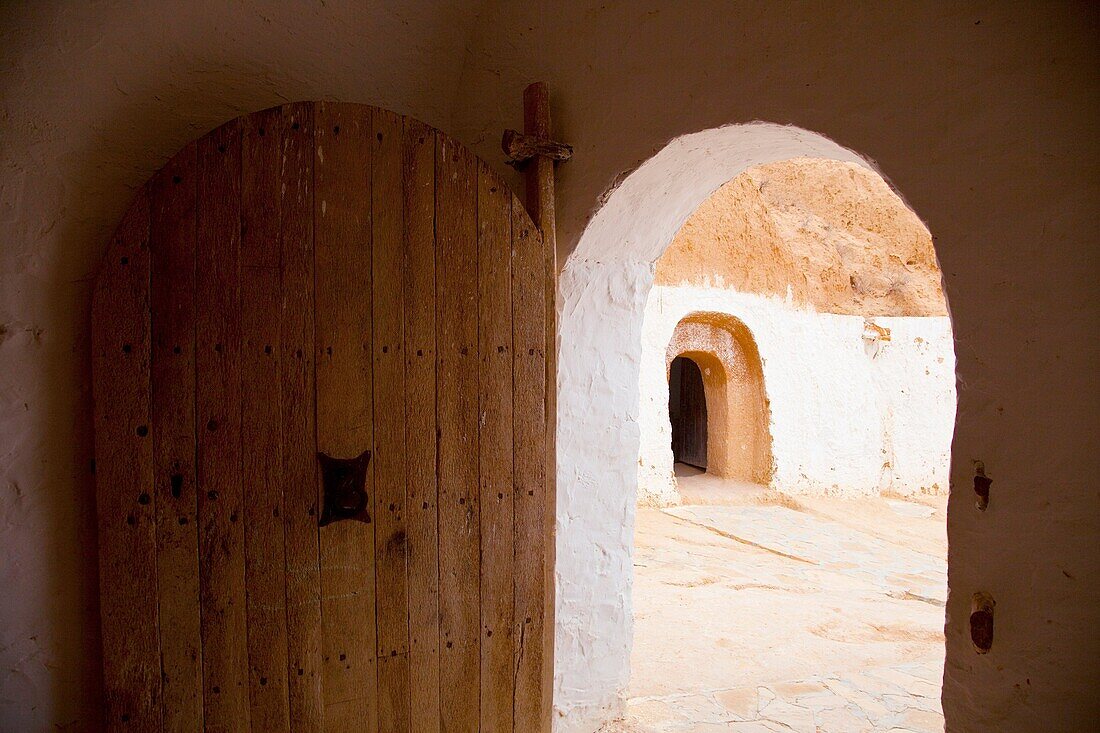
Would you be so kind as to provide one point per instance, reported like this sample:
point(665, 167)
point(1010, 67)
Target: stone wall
point(824, 234)
point(857, 406)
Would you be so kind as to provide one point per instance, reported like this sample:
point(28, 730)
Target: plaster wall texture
point(982, 114)
point(850, 415)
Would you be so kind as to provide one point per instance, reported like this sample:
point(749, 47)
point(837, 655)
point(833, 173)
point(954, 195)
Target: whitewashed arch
point(602, 295)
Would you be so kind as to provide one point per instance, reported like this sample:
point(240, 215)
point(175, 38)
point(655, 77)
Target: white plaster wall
point(914, 376)
point(598, 439)
point(847, 417)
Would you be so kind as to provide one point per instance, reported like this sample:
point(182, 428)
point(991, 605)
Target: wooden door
point(687, 409)
point(314, 299)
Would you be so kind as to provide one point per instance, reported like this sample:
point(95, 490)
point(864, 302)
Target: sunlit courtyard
point(762, 613)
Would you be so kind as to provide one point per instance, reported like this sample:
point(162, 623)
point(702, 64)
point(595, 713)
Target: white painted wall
point(849, 416)
point(598, 439)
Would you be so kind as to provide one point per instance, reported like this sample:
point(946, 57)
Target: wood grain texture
point(172, 236)
point(542, 206)
point(218, 431)
point(391, 561)
point(529, 313)
point(421, 507)
point(345, 410)
point(296, 376)
point(261, 424)
point(494, 276)
point(324, 277)
point(121, 347)
point(459, 523)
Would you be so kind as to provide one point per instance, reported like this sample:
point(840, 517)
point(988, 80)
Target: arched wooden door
point(687, 412)
point(327, 279)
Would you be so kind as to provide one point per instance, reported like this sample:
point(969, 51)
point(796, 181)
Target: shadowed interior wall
point(984, 115)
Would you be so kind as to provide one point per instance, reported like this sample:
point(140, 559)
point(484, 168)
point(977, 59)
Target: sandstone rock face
point(829, 234)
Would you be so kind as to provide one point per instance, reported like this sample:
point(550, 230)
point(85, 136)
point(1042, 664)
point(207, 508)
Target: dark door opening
point(687, 411)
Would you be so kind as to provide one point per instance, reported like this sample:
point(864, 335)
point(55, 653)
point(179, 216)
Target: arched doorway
point(736, 440)
point(609, 357)
point(687, 412)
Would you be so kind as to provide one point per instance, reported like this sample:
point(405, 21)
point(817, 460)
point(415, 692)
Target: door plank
point(296, 375)
point(388, 272)
point(420, 358)
point(218, 409)
point(261, 424)
point(172, 243)
point(529, 313)
point(459, 529)
point(494, 273)
point(345, 408)
point(125, 501)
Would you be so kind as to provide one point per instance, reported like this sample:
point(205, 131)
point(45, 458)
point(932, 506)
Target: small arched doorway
point(687, 412)
point(732, 441)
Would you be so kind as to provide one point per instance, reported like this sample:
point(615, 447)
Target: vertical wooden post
point(539, 188)
point(540, 170)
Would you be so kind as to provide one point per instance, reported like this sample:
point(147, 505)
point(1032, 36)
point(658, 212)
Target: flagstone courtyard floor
point(757, 613)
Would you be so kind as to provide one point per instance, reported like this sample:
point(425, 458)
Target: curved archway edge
point(601, 299)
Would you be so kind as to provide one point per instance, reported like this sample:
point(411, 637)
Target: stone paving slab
point(865, 558)
point(731, 602)
point(835, 704)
